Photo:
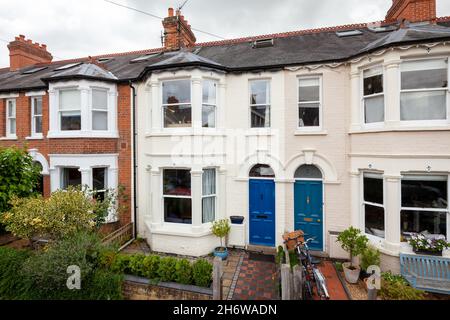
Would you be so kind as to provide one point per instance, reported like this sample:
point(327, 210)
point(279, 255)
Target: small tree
point(221, 229)
point(18, 175)
point(353, 242)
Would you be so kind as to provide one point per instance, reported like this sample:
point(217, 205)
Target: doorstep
point(262, 249)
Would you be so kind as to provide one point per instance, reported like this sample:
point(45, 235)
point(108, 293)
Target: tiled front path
point(334, 285)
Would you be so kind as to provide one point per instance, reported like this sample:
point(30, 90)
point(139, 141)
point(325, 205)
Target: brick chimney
point(24, 53)
point(412, 10)
point(177, 32)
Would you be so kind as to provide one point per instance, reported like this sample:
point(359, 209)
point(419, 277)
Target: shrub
point(11, 282)
point(395, 287)
point(221, 229)
point(166, 270)
point(136, 265)
point(370, 257)
point(151, 266)
point(121, 264)
point(183, 272)
point(353, 242)
point(18, 175)
point(202, 273)
point(104, 285)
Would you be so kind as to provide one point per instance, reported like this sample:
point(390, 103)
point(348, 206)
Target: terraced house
point(314, 130)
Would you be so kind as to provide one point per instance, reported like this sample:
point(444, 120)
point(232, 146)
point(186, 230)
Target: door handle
point(307, 200)
point(261, 217)
point(319, 220)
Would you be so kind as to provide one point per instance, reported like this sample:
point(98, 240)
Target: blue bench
point(426, 273)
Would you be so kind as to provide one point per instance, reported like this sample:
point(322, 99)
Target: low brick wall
point(136, 288)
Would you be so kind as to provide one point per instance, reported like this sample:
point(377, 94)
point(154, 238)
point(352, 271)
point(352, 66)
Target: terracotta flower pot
point(351, 275)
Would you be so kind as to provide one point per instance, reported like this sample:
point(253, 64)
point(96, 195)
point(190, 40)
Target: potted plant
point(221, 229)
point(423, 245)
point(354, 243)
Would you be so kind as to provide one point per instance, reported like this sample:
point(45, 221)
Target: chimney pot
point(170, 12)
point(177, 32)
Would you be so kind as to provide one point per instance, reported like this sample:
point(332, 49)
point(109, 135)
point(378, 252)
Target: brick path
point(258, 280)
point(334, 285)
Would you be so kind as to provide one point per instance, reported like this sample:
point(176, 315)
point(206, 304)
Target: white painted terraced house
point(354, 132)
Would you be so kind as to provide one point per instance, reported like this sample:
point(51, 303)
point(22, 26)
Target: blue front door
point(262, 212)
point(308, 198)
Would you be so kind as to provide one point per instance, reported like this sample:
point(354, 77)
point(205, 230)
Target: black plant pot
point(237, 219)
point(429, 253)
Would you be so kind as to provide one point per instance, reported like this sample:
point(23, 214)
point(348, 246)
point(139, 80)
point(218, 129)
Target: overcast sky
point(78, 28)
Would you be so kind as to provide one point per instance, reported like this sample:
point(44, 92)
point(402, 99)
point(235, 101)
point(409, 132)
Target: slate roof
point(292, 48)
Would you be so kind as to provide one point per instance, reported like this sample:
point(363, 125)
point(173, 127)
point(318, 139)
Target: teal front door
point(308, 206)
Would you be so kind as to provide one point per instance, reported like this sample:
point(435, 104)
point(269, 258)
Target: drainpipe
point(135, 206)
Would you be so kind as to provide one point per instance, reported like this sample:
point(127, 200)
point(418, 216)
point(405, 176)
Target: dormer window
point(70, 110)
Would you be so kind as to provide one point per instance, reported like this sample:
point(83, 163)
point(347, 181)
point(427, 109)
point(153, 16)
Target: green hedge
point(165, 269)
point(11, 281)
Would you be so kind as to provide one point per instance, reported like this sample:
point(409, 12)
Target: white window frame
point(176, 197)
point(164, 105)
point(268, 104)
point(364, 97)
point(438, 177)
point(375, 175)
point(35, 134)
point(92, 108)
point(69, 110)
point(215, 196)
point(9, 118)
point(211, 105)
point(447, 90)
point(320, 102)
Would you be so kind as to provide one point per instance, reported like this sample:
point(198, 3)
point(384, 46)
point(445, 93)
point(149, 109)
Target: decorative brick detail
point(23, 53)
point(412, 10)
point(177, 32)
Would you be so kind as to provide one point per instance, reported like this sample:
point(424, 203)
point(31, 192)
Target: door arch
point(308, 204)
point(262, 205)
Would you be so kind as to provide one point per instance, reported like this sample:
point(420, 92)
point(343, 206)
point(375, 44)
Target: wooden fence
point(121, 236)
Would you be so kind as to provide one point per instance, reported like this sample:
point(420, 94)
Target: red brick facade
point(46, 146)
point(177, 32)
point(412, 10)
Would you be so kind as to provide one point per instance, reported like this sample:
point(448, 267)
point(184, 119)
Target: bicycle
point(311, 273)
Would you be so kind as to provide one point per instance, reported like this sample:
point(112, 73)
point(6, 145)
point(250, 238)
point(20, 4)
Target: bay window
point(176, 104)
point(70, 177)
point(373, 95)
point(424, 86)
point(99, 183)
point(177, 196)
point(373, 205)
point(11, 118)
point(424, 206)
point(209, 104)
point(99, 109)
point(260, 103)
point(209, 195)
point(70, 110)
point(36, 116)
point(309, 102)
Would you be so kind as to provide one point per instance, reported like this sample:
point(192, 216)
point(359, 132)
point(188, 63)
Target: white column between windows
point(156, 194)
point(222, 195)
point(53, 110)
point(196, 194)
point(86, 115)
point(113, 111)
point(196, 102)
point(86, 177)
point(221, 105)
point(157, 119)
point(392, 93)
point(356, 100)
point(392, 207)
point(148, 114)
point(355, 200)
point(54, 179)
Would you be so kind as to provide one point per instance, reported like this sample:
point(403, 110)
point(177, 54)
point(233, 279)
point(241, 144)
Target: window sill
point(11, 138)
point(400, 129)
point(259, 132)
point(35, 138)
point(310, 132)
point(180, 230)
point(183, 132)
point(80, 134)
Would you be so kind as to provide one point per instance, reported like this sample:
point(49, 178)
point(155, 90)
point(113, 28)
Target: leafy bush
point(353, 242)
point(121, 264)
point(151, 266)
point(370, 257)
point(202, 273)
point(11, 261)
point(221, 229)
point(395, 287)
point(183, 272)
point(339, 266)
point(105, 285)
point(18, 175)
point(167, 268)
point(136, 265)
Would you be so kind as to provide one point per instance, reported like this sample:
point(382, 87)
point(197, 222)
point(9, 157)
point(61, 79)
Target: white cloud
point(78, 28)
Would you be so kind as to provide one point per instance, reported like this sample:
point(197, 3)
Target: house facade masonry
point(315, 130)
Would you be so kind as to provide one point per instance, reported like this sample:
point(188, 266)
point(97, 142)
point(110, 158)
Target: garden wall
point(137, 288)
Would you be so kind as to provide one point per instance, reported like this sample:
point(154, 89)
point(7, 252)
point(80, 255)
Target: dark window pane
point(38, 124)
point(260, 117)
point(373, 85)
point(177, 182)
point(177, 116)
point(309, 115)
point(71, 177)
point(424, 194)
point(39, 188)
point(208, 116)
point(423, 221)
point(37, 106)
point(177, 92)
point(423, 79)
point(99, 178)
point(374, 220)
point(177, 210)
point(308, 172)
point(373, 190)
point(259, 92)
point(70, 122)
point(262, 171)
